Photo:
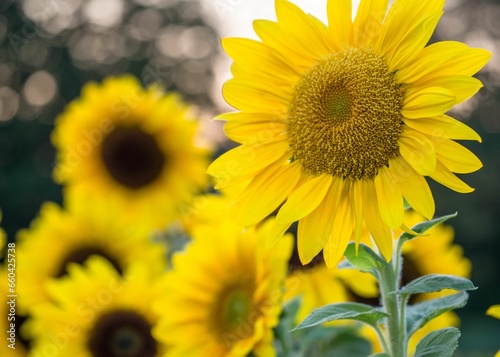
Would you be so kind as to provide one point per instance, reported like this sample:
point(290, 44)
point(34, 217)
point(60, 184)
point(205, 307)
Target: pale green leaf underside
point(440, 343)
point(436, 282)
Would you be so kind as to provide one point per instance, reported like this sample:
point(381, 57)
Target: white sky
point(235, 17)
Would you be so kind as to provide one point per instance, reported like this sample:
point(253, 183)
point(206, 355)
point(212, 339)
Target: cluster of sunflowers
point(338, 126)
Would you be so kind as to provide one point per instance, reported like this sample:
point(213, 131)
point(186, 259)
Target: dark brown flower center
point(80, 255)
point(132, 157)
point(122, 333)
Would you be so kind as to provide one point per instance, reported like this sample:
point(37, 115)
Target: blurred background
point(50, 48)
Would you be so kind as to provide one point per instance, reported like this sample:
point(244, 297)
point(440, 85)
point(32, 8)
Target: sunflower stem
point(393, 305)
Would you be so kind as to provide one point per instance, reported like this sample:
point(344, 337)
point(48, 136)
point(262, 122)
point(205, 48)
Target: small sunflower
point(341, 122)
point(227, 291)
point(130, 147)
point(59, 237)
point(97, 312)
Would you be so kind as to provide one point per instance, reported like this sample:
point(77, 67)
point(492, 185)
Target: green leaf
point(343, 344)
point(366, 260)
point(436, 282)
point(286, 321)
point(380, 355)
point(425, 226)
point(342, 311)
point(440, 343)
point(419, 314)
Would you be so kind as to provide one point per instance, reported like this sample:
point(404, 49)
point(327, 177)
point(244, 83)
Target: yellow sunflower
point(59, 236)
point(226, 290)
point(98, 312)
point(341, 122)
point(129, 147)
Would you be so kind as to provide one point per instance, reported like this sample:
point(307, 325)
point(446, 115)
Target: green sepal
point(342, 311)
point(422, 227)
point(440, 343)
point(435, 282)
point(419, 314)
point(366, 259)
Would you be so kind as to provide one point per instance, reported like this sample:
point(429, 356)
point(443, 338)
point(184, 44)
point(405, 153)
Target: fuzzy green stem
point(391, 302)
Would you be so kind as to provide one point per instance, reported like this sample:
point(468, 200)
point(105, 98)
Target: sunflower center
point(345, 115)
point(80, 255)
point(132, 157)
point(233, 311)
point(122, 333)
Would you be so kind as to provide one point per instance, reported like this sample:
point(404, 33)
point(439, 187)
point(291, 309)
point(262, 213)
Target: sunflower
point(131, 148)
point(62, 236)
point(341, 122)
point(227, 292)
point(98, 312)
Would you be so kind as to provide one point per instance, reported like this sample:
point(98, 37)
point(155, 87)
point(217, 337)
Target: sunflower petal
point(304, 199)
point(315, 229)
point(248, 158)
point(415, 189)
point(340, 22)
point(443, 126)
point(263, 96)
point(401, 18)
point(342, 229)
point(418, 151)
point(462, 87)
point(272, 35)
point(444, 58)
point(255, 131)
point(266, 192)
point(301, 28)
point(413, 43)
point(427, 102)
point(390, 198)
point(456, 157)
point(251, 54)
point(447, 178)
point(368, 22)
point(380, 232)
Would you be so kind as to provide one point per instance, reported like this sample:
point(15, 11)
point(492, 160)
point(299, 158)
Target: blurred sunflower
point(318, 286)
point(98, 312)
point(340, 122)
point(8, 316)
point(227, 291)
point(495, 312)
point(130, 148)
point(59, 237)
